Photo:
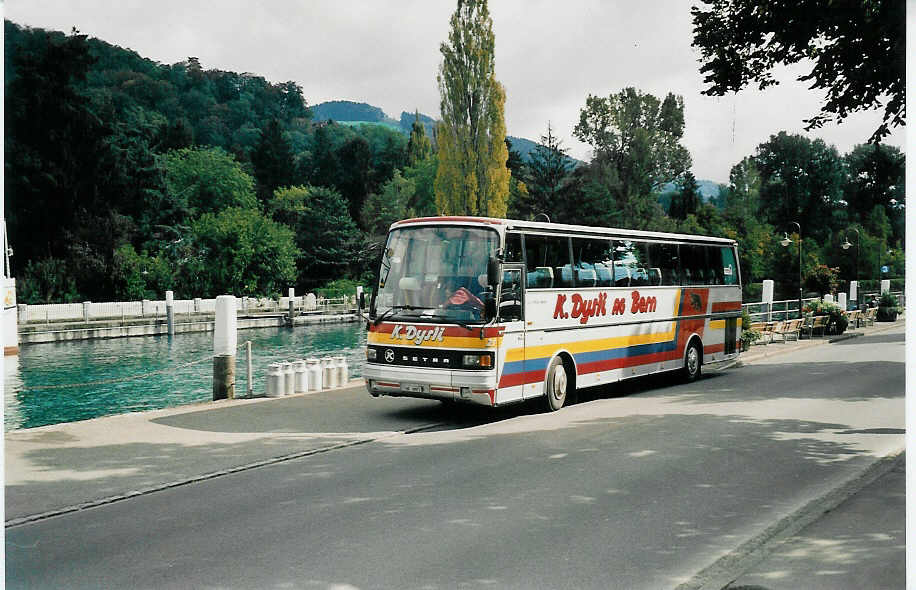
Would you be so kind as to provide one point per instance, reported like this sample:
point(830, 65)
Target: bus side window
point(513, 248)
point(728, 265)
point(547, 259)
point(635, 260)
point(665, 264)
point(694, 262)
point(510, 303)
point(593, 259)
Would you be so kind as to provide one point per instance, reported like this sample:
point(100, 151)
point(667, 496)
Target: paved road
point(637, 486)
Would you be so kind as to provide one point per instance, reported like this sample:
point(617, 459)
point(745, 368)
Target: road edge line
point(729, 567)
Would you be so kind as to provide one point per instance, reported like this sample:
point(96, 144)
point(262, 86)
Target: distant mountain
point(354, 113)
point(708, 189)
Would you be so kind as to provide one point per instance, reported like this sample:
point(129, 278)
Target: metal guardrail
point(149, 309)
point(788, 309)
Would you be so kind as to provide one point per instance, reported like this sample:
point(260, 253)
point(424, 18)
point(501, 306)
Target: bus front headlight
point(371, 354)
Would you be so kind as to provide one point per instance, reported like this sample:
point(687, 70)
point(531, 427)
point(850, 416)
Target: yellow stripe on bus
point(447, 341)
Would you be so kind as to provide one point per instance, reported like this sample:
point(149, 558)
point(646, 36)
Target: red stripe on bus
point(726, 306)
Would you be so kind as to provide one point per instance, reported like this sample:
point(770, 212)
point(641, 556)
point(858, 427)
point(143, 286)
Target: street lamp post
point(846, 245)
point(785, 242)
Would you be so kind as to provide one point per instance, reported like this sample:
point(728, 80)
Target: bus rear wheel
point(693, 362)
point(557, 383)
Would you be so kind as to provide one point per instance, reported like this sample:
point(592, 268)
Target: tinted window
point(631, 264)
point(594, 261)
point(664, 264)
point(729, 266)
point(547, 258)
point(513, 248)
point(694, 264)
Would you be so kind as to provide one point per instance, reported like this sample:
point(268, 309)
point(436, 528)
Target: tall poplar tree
point(418, 146)
point(472, 178)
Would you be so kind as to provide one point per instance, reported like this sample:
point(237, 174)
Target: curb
point(729, 567)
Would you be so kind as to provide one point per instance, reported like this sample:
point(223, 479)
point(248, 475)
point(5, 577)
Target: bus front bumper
point(476, 387)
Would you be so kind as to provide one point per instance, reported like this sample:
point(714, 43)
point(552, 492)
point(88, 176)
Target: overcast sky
point(549, 55)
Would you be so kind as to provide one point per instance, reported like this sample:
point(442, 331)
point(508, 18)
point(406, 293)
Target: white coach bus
point(497, 311)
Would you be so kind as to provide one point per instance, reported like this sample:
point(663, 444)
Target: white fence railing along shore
point(88, 311)
point(788, 309)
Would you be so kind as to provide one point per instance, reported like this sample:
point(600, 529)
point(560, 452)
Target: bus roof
point(564, 228)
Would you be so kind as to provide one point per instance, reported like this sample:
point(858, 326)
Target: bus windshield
point(435, 273)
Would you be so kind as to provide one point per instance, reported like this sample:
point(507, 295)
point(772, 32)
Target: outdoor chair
point(788, 328)
point(765, 329)
point(818, 322)
point(853, 317)
point(870, 315)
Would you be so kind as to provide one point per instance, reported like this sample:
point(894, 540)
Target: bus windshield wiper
point(395, 308)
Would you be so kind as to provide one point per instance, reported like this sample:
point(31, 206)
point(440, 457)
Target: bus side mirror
point(489, 307)
point(493, 272)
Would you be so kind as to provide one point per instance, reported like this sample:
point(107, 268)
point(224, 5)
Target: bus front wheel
point(693, 362)
point(557, 383)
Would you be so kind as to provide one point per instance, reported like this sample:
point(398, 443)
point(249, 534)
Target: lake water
point(68, 381)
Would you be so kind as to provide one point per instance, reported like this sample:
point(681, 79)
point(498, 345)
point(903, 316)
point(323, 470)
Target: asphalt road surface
point(640, 485)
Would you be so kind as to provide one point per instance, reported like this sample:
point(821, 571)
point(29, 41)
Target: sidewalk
point(860, 544)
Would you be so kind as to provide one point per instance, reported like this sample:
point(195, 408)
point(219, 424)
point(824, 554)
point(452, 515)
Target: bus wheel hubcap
point(693, 360)
point(559, 382)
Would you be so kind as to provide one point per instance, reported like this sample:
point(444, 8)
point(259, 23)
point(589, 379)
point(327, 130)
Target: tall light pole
point(785, 242)
point(845, 245)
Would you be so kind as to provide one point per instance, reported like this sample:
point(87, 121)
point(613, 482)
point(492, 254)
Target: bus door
point(512, 316)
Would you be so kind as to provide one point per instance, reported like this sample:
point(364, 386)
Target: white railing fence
point(149, 309)
point(788, 309)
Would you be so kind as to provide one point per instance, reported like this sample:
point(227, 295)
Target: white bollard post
point(885, 285)
point(302, 376)
point(225, 342)
point(315, 374)
point(841, 300)
point(828, 298)
point(854, 291)
point(766, 296)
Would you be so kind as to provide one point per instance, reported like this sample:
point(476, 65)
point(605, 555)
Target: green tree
point(743, 194)
point(472, 177)
point(327, 237)
point(418, 146)
point(639, 137)
point(857, 50)
point(686, 200)
point(547, 170)
point(207, 180)
point(242, 252)
point(423, 175)
point(876, 176)
point(390, 205)
point(353, 178)
point(801, 180)
point(273, 161)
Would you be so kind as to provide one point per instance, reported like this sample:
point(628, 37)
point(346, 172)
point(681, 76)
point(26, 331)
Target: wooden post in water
point(225, 342)
point(170, 312)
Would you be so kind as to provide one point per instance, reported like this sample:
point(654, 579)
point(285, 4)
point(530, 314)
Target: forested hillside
point(125, 177)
